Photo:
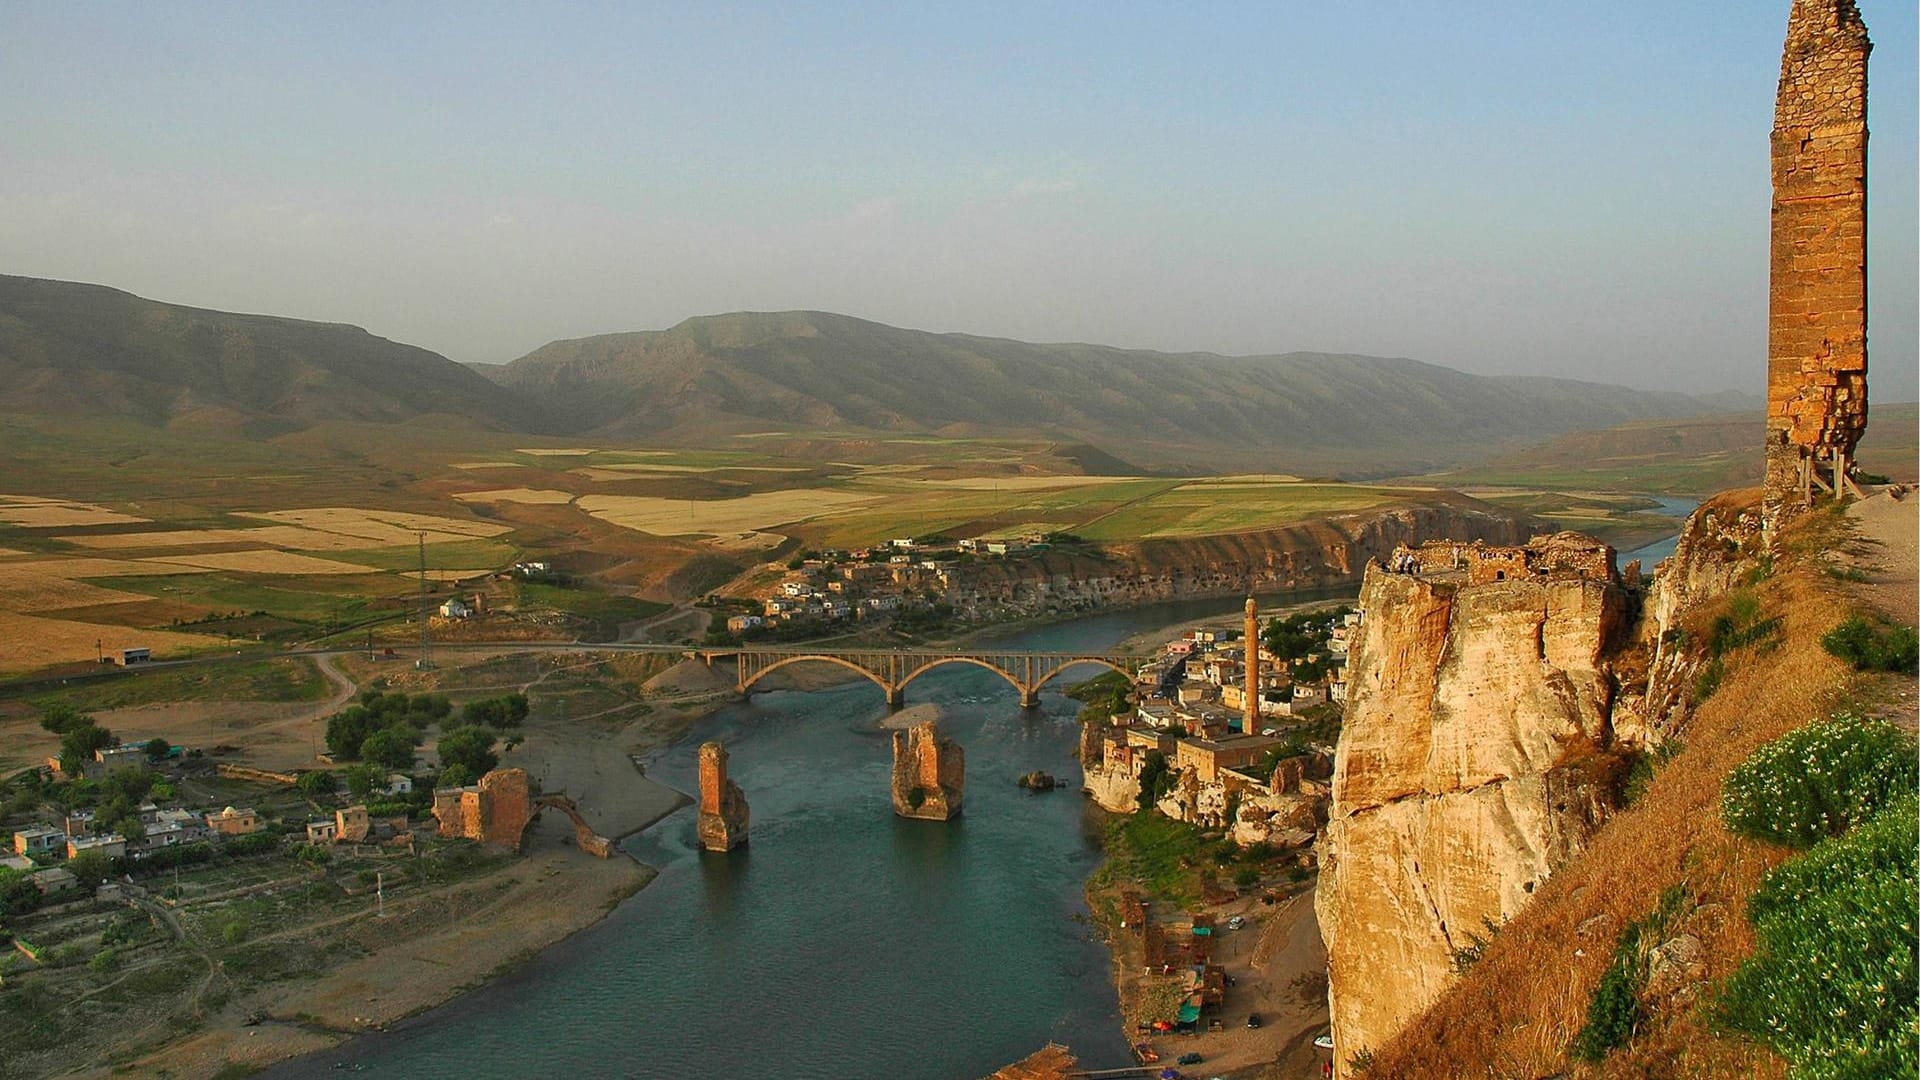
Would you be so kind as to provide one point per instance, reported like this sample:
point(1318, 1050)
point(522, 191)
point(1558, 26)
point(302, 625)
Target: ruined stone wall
point(722, 824)
point(929, 774)
point(1461, 780)
point(1817, 309)
point(494, 812)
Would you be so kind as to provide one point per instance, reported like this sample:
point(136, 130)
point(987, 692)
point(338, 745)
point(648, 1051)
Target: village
point(904, 577)
point(165, 885)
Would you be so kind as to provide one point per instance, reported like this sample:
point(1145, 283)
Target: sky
point(1555, 188)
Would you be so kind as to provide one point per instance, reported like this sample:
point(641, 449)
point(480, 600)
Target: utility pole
point(426, 607)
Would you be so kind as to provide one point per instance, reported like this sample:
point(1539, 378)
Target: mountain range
point(813, 376)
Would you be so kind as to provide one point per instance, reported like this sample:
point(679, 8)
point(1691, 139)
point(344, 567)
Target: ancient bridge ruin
point(893, 669)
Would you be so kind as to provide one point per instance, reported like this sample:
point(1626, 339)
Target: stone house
point(322, 831)
point(234, 822)
point(112, 845)
point(351, 825)
point(1205, 758)
point(38, 840)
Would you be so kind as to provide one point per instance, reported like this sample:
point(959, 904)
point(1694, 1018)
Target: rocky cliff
point(929, 774)
point(1473, 762)
point(1320, 554)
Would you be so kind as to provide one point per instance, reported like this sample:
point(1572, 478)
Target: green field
point(602, 611)
point(454, 555)
point(316, 601)
point(281, 679)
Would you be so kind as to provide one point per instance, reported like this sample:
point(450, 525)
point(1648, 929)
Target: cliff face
point(1471, 765)
point(1308, 555)
point(929, 774)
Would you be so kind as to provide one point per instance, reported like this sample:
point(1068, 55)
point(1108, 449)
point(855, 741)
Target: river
point(1675, 508)
point(842, 941)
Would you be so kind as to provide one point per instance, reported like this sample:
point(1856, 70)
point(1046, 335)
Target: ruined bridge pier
point(893, 669)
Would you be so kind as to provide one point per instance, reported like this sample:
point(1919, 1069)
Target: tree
point(454, 776)
point(470, 748)
point(78, 744)
point(363, 780)
point(18, 894)
point(60, 718)
point(315, 783)
point(347, 730)
point(90, 868)
point(1156, 779)
point(391, 747)
point(157, 749)
point(501, 712)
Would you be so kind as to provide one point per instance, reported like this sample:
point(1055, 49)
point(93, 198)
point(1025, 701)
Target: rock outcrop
point(1474, 760)
point(494, 812)
point(722, 824)
point(1286, 813)
point(1306, 555)
point(929, 774)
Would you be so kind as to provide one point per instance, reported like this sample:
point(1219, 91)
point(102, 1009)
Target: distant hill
point(813, 372)
point(73, 348)
point(1692, 455)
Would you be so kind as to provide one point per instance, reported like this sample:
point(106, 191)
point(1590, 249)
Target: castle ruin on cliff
point(1471, 764)
point(1817, 299)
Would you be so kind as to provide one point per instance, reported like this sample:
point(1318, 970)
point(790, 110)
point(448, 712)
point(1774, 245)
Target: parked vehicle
point(1189, 1058)
point(1253, 1020)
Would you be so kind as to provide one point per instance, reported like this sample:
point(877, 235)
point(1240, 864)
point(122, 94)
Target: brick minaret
point(1250, 721)
point(1817, 306)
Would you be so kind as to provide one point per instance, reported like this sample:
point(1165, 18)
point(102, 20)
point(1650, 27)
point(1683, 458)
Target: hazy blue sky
point(1562, 188)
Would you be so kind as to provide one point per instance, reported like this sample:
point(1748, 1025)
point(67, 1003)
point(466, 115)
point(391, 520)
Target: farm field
point(178, 542)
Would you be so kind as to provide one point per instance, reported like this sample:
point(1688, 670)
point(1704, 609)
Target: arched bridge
point(893, 669)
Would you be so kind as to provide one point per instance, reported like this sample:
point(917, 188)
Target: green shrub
point(1741, 625)
point(1614, 1013)
point(1709, 679)
point(1832, 984)
point(1874, 648)
point(1817, 782)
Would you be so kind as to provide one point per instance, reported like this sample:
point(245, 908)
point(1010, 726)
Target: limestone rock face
point(1457, 785)
point(1284, 820)
point(722, 824)
point(1115, 790)
point(929, 774)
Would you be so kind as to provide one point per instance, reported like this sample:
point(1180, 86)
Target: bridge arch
point(1076, 662)
point(747, 683)
point(974, 660)
point(589, 841)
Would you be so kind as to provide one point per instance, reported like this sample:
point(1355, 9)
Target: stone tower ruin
point(929, 774)
point(1817, 306)
point(722, 824)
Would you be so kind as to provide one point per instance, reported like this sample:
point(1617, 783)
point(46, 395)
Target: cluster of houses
point(1192, 713)
point(161, 828)
point(905, 573)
